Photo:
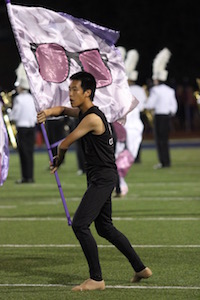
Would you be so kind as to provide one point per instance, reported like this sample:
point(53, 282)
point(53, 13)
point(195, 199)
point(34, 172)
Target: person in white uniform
point(163, 101)
point(134, 126)
point(24, 115)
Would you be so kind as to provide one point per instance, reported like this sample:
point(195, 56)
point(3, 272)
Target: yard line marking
point(7, 206)
point(15, 219)
point(156, 198)
point(157, 219)
point(99, 246)
point(130, 197)
point(108, 286)
point(53, 202)
point(184, 183)
point(153, 287)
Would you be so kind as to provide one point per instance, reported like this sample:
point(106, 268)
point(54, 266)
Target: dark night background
point(145, 25)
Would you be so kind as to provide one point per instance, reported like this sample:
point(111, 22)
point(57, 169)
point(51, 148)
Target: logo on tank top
point(111, 141)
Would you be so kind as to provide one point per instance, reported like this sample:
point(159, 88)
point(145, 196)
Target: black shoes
point(23, 180)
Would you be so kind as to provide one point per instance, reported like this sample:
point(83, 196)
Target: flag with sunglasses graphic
point(53, 46)
point(4, 149)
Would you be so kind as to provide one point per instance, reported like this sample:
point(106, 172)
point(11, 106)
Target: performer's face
point(76, 94)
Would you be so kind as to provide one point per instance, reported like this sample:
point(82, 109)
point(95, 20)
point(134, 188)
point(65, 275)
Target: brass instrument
point(197, 93)
point(11, 128)
point(148, 113)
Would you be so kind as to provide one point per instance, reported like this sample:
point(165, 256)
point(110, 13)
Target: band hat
point(133, 75)
point(159, 65)
point(130, 61)
point(162, 75)
point(122, 51)
point(22, 79)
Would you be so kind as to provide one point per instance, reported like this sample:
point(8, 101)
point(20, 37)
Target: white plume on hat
point(160, 63)
point(122, 51)
point(130, 61)
point(22, 79)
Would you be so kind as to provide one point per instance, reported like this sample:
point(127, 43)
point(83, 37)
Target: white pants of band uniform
point(133, 141)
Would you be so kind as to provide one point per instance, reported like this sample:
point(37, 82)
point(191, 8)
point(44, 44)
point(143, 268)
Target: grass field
point(40, 257)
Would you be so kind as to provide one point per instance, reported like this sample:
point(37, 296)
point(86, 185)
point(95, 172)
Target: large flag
point(53, 46)
point(4, 149)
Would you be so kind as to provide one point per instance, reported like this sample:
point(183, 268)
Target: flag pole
point(56, 173)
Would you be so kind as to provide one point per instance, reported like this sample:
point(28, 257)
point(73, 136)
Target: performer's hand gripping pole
point(56, 174)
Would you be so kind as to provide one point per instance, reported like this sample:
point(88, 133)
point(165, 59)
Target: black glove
point(58, 159)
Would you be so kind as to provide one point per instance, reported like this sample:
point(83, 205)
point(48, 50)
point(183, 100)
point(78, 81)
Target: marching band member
point(24, 115)
point(163, 101)
point(133, 126)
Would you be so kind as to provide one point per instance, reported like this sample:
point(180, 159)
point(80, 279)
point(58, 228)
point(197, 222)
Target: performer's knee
point(76, 226)
point(103, 231)
point(80, 229)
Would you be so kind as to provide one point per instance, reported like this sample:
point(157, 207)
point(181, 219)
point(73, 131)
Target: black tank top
point(98, 149)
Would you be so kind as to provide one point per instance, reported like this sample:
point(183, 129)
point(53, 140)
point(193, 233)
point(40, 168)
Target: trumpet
point(11, 128)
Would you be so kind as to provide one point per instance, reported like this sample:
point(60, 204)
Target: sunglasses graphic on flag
point(54, 63)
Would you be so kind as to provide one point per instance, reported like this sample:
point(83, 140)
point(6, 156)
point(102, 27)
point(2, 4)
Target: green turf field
point(40, 257)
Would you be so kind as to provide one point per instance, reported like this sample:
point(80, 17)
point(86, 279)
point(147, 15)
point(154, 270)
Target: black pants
point(161, 131)
point(96, 206)
point(25, 144)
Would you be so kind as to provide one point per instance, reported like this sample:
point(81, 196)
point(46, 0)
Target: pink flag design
point(53, 46)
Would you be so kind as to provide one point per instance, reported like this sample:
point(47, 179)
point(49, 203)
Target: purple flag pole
point(56, 174)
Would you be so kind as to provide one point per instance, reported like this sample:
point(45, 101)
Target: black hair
point(88, 82)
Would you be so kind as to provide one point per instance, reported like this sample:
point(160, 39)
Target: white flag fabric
point(4, 149)
point(53, 46)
